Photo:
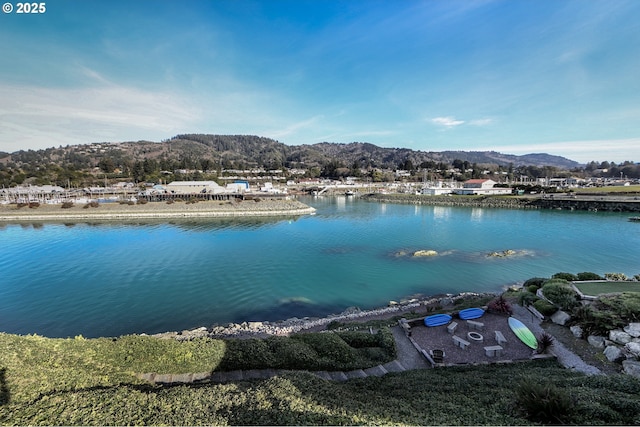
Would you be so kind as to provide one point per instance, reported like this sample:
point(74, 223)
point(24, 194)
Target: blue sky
point(515, 76)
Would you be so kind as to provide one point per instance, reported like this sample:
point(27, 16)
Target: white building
point(481, 186)
point(190, 187)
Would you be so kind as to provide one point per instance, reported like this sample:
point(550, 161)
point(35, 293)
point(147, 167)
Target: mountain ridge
point(237, 151)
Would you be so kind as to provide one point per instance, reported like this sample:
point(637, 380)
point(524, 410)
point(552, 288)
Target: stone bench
point(494, 350)
point(463, 344)
point(500, 339)
point(452, 327)
point(475, 325)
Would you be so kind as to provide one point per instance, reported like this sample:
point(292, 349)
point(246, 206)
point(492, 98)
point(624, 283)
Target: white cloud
point(448, 122)
point(36, 117)
point(481, 122)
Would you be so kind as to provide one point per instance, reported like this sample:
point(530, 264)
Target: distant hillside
point(242, 151)
point(493, 157)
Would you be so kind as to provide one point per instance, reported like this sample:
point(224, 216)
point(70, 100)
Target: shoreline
point(263, 329)
point(157, 210)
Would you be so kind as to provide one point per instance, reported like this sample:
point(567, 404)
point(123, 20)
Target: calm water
point(110, 279)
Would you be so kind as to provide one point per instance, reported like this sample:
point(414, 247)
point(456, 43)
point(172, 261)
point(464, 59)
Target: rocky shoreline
point(157, 210)
point(307, 324)
point(504, 202)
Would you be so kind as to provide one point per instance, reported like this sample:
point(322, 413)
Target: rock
point(560, 317)
point(428, 252)
point(505, 253)
point(596, 341)
point(576, 330)
point(631, 367)
point(613, 353)
point(633, 348)
point(633, 329)
point(619, 337)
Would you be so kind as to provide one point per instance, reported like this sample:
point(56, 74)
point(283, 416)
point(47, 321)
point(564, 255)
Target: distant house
point(191, 187)
point(481, 186)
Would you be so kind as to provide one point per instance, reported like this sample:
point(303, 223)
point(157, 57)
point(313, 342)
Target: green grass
point(598, 288)
point(610, 189)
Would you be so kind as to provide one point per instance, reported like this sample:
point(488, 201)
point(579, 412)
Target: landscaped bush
point(565, 276)
point(544, 307)
point(532, 288)
point(526, 298)
point(545, 342)
point(560, 293)
point(584, 276)
point(544, 402)
point(534, 281)
point(67, 205)
point(500, 305)
point(617, 277)
point(249, 353)
point(292, 354)
point(310, 351)
point(34, 205)
point(608, 312)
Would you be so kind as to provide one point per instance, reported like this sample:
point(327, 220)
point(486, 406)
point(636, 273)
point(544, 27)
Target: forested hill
point(242, 151)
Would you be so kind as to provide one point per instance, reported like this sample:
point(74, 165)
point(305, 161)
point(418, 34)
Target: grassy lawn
point(610, 189)
point(598, 288)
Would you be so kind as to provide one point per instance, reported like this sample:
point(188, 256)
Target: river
point(110, 279)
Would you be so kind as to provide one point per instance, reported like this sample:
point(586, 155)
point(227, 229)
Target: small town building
point(191, 187)
point(481, 186)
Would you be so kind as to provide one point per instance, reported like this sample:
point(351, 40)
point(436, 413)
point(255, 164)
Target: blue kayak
point(437, 320)
point(470, 313)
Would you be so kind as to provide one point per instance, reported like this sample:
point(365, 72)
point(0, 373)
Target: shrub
point(34, 205)
point(618, 277)
point(565, 276)
point(545, 341)
point(142, 201)
point(67, 205)
point(544, 403)
point(527, 298)
point(532, 288)
point(500, 305)
point(544, 307)
point(588, 276)
point(292, 354)
point(249, 353)
point(560, 293)
point(535, 281)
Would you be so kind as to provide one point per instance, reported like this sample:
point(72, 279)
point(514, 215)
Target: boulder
point(631, 367)
point(576, 330)
point(596, 341)
point(619, 337)
point(613, 353)
point(560, 317)
point(633, 348)
point(428, 252)
point(633, 329)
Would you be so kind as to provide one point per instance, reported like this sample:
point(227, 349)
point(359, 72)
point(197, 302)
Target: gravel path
point(566, 357)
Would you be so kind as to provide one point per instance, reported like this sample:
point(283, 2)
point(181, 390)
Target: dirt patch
point(430, 338)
